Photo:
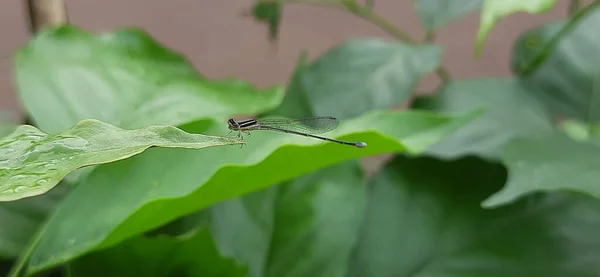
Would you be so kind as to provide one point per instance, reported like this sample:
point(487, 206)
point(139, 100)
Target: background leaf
point(268, 12)
point(307, 227)
point(361, 75)
point(554, 163)
point(494, 10)
point(34, 162)
point(194, 180)
point(423, 224)
point(124, 78)
point(510, 112)
point(436, 13)
point(193, 254)
point(567, 81)
point(21, 219)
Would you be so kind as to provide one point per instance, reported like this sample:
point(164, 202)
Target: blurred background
point(221, 42)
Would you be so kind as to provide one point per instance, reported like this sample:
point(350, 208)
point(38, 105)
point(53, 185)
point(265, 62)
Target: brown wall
point(221, 43)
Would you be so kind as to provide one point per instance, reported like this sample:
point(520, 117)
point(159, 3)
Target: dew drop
point(21, 188)
point(42, 181)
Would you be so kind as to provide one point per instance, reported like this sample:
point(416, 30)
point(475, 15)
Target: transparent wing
point(313, 125)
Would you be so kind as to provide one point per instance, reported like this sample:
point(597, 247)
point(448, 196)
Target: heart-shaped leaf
point(424, 219)
point(359, 76)
point(436, 13)
point(510, 112)
point(125, 78)
point(186, 181)
point(33, 162)
point(553, 163)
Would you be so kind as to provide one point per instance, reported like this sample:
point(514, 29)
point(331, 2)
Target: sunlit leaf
point(125, 78)
point(33, 162)
point(494, 10)
point(424, 219)
point(163, 184)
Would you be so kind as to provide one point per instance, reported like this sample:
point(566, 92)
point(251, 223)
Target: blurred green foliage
point(487, 177)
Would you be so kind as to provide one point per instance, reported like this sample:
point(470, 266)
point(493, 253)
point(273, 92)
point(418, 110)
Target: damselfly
point(307, 127)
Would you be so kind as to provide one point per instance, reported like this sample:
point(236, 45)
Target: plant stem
point(46, 13)
point(536, 61)
point(574, 6)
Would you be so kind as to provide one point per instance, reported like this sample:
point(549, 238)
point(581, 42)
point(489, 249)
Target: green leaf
point(436, 13)
point(268, 12)
point(21, 219)
point(509, 113)
point(151, 194)
point(566, 80)
point(296, 103)
point(125, 78)
point(194, 254)
point(305, 227)
point(424, 219)
point(362, 75)
point(33, 162)
point(576, 130)
point(554, 163)
point(494, 10)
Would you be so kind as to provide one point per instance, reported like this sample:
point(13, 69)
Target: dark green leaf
point(193, 255)
point(164, 184)
point(509, 113)
point(33, 162)
point(21, 219)
point(553, 163)
point(362, 75)
point(494, 10)
point(435, 13)
point(305, 227)
point(65, 75)
point(567, 80)
point(424, 219)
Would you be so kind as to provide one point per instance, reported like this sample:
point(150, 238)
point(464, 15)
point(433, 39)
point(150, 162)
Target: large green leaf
point(424, 219)
point(33, 162)
point(510, 112)
point(564, 76)
point(494, 10)
point(435, 13)
point(122, 199)
point(193, 255)
point(306, 227)
point(65, 75)
point(553, 163)
point(361, 75)
point(21, 219)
